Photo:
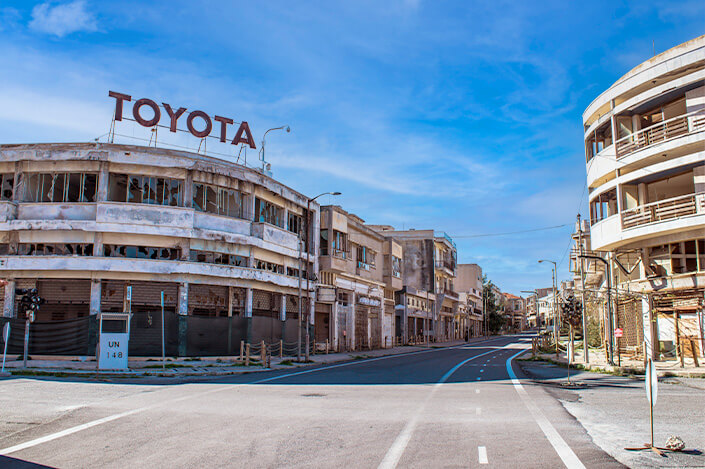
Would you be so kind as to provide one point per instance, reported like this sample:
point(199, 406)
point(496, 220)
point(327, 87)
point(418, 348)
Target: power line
point(544, 228)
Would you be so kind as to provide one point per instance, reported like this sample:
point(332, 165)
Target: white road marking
point(477, 391)
point(478, 411)
point(110, 418)
point(564, 451)
point(478, 378)
point(391, 459)
point(482, 455)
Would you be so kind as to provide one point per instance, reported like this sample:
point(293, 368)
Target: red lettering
point(119, 98)
point(146, 102)
point(203, 133)
point(224, 121)
point(174, 116)
point(238, 136)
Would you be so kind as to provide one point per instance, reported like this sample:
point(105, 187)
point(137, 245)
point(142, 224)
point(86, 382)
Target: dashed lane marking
point(566, 454)
point(482, 455)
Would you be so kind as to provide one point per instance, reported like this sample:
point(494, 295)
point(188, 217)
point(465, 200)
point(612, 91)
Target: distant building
point(468, 283)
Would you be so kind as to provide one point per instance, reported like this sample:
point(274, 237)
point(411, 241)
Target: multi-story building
point(468, 283)
point(99, 227)
point(515, 310)
point(357, 265)
point(645, 155)
point(531, 311)
point(428, 274)
point(546, 307)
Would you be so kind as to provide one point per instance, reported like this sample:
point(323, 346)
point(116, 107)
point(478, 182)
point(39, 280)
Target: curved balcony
point(661, 132)
point(667, 209)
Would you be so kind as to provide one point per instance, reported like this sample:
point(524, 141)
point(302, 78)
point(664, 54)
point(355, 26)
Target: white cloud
point(60, 20)
point(9, 18)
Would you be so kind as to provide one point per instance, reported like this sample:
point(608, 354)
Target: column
point(405, 321)
point(103, 175)
point(94, 305)
point(188, 190)
point(248, 314)
point(333, 322)
point(182, 314)
point(282, 307)
point(8, 309)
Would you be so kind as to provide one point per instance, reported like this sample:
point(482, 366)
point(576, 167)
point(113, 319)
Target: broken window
point(365, 257)
point(142, 252)
point(7, 183)
point(145, 190)
point(55, 249)
point(269, 266)
point(292, 272)
point(209, 257)
point(605, 205)
point(340, 245)
point(324, 242)
point(217, 200)
point(61, 187)
point(396, 267)
point(678, 258)
point(268, 212)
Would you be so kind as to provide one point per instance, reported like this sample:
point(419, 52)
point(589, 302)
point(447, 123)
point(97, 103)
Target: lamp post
point(555, 299)
point(283, 127)
point(609, 302)
point(308, 277)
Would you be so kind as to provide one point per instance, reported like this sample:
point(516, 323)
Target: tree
point(493, 318)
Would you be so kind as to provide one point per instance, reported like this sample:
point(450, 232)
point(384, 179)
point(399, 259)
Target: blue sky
point(459, 116)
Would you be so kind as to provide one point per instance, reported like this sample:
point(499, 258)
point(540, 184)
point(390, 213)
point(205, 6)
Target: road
point(450, 407)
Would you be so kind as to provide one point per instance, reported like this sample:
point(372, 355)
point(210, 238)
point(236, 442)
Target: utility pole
point(582, 292)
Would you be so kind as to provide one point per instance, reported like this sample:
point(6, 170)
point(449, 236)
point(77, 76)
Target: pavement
point(459, 406)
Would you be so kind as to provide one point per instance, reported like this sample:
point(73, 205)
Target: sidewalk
point(201, 366)
point(598, 362)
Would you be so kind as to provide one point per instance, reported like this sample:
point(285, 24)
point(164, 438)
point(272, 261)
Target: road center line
point(391, 459)
point(110, 418)
point(566, 454)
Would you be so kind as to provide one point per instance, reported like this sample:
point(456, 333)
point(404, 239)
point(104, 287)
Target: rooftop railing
point(661, 132)
point(667, 209)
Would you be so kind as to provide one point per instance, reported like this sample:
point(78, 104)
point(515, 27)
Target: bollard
point(281, 349)
point(263, 353)
point(327, 346)
point(247, 354)
point(242, 349)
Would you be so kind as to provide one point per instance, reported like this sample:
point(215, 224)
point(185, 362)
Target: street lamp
point(285, 127)
point(609, 304)
point(555, 300)
point(308, 277)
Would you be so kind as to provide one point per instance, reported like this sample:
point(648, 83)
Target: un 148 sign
point(113, 351)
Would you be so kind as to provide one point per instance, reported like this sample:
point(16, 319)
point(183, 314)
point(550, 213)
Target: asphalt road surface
point(450, 407)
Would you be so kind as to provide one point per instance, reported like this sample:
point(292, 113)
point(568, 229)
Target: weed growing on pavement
point(286, 363)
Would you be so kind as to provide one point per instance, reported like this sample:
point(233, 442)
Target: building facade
point(468, 283)
point(645, 155)
point(359, 271)
point(99, 227)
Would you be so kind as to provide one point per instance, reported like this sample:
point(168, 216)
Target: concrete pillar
point(98, 245)
point(182, 314)
point(333, 323)
point(282, 307)
point(103, 175)
point(94, 305)
point(248, 314)
point(188, 190)
point(405, 320)
point(19, 183)
point(351, 322)
point(8, 309)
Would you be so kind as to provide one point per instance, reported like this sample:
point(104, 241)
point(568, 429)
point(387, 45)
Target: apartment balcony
point(341, 254)
point(663, 131)
point(448, 265)
point(663, 210)
point(449, 294)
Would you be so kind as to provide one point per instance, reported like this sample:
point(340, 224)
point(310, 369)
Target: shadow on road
point(14, 463)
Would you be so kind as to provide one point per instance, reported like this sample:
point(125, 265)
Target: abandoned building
point(645, 156)
point(468, 283)
point(225, 245)
point(359, 271)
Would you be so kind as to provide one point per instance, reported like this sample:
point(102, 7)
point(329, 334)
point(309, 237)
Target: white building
point(645, 155)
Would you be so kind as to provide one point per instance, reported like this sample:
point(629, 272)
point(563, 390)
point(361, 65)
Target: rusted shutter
point(629, 319)
point(64, 299)
point(112, 295)
point(149, 294)
point(207, 300)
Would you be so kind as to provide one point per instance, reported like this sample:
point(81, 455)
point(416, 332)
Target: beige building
point(99, 227)
point(468, 283)
point(515, 311)
point(359, 271)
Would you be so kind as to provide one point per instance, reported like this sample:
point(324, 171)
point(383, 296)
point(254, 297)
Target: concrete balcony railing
point(661, 132)
point(662, 210)
point(342, 254)
point(445, 264)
